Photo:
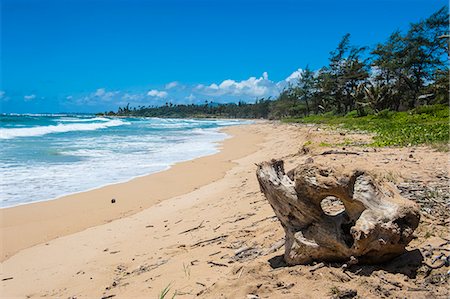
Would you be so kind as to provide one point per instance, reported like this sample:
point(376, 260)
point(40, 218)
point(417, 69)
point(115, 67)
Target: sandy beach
point(40, 222)
point(202, 228)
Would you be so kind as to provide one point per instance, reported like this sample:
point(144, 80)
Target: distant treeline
point(408, 70)
point(260, 109)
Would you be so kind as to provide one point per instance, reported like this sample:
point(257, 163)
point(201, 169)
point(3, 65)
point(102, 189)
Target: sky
point(96, 55)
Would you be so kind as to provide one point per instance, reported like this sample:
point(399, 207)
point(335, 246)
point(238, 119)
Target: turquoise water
point(46, 156)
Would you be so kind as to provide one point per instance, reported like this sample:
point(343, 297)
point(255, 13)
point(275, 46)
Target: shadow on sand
point(408, 264)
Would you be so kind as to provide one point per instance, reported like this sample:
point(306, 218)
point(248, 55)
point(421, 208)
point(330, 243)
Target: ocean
point(46, 156)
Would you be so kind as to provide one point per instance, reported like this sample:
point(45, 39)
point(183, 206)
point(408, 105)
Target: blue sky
point(91, 56)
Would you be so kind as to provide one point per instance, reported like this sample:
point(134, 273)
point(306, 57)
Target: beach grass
point(423, 125)
point(166, 291)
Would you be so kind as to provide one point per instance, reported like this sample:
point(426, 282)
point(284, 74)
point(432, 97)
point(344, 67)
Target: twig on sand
point(192, 229)
point(219, 238)
point(217, 264)
point(146, 268)
point(240, 273)
point(217, 252)
point(439, 265)
point(333, 152)
point(287, 287)
point(261, 220)
point(417, 289)
point(317, 267)
point(242, 249)
point(237, 219)
point(242, 217)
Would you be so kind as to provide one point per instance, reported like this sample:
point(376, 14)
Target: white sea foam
point(8, 133)
point(52, 166)
point(82, 119)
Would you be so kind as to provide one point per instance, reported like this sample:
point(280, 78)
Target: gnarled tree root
point(375, 226)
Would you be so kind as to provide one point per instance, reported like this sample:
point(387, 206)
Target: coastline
point(222, 240)
point(42, 221)
point(45, 169)
point(218, 144)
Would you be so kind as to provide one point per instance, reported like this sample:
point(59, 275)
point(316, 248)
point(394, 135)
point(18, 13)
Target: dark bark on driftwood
point(375, 226)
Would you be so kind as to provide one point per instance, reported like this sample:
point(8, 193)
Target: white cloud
point(100, 92)
point(104, 95)
point(99, 97)
point(157, 93)
point(29, 97)
point(2, 94)
point(229, 90)
point(253, 86)
point(171, 85)
point(131, 97)
point(214, 86)
point(191, 97)
point(295, 76)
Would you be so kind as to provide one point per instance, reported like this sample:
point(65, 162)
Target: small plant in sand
point(187, 270)
point(325, 144)
point(165, 292)
point(307, 143)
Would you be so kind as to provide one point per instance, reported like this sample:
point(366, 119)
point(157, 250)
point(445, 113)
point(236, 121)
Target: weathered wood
point(275, 247)
point(192, 229)
point(375, 226)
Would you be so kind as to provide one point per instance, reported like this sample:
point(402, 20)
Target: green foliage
point(353, 113)
point(384, 114)
point(260, 109)
point(329, 114)
point(440, 111)
point(325, 144)
point(165, 292)
point(423, 125)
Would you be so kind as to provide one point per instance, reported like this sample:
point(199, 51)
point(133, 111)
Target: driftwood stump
point(375, 226)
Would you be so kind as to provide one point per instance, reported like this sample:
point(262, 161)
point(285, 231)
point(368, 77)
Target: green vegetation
point(398, 90)
point(260, 109)
point(165, 292)
point(425, 124)
point(407, 71)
